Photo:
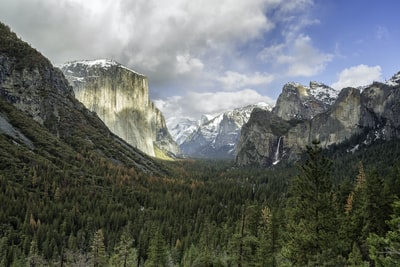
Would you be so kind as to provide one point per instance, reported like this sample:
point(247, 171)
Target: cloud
point(358, 76)
point(298, 57)
point(233, 80)
point(165, 40)
point(195, 104)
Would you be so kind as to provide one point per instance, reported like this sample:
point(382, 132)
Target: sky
point(208, 56)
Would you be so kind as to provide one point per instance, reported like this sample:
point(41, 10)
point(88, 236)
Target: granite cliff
point(299, 117)
point(120, 97)
point(29, 83)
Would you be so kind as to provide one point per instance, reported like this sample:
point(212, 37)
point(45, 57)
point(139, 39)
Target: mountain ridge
point(371, 112)
point(217, 137)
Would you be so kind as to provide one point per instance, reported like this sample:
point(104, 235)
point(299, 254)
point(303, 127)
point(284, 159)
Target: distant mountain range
point(115, 97)
point(213, 137)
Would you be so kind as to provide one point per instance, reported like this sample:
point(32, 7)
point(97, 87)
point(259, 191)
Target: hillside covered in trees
point(323, 212)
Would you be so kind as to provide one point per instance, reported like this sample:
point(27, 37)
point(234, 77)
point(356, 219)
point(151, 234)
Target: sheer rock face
point(120, 97)
point(373, 113)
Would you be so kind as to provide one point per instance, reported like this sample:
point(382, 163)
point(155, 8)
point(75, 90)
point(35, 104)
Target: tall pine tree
point(385, 250)
point(312, 222)
point(98, 256)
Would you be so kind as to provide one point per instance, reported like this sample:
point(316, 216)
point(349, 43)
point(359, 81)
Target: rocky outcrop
point(218, 137)
point(372, 113)
point(120, 97)
point(30, 83)
point(298, 102)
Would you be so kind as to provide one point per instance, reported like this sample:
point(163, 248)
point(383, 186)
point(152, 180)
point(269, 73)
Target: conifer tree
point(98, 257)
point(312, 227)
point(267, 240)
point(124, 252)
point(34, 258)
point(157, 253)
point(385, 250)
point(366, 211)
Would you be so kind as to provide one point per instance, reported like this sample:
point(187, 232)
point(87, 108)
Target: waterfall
point(276, 156)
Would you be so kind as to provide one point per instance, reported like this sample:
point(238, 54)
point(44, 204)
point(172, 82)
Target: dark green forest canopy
point(200, 212)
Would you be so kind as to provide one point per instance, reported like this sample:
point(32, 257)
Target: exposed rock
point(299, 102)
point(218, 137)
point(373, 113)
point(29, 82)
point(120, 97)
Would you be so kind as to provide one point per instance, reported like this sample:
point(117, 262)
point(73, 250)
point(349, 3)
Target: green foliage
point(385, 250)
point(157, 255)
point(97, 256)
point(312, 228)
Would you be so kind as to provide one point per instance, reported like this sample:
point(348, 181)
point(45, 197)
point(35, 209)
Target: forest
point(330, 209)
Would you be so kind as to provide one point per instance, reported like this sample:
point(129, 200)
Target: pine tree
point(385, 250)
point(34, 258)
point(157, 253)
point(312, 222)
point(98, 257)
point(124, 252)
point(366, 211)
point(267, 239)
point(244, 242)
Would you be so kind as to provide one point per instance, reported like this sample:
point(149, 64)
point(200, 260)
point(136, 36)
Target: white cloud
point(186, 63)
point(358, 76)
point(195, 104)
point(298, 57)
point(163, 39)
point(233, 80)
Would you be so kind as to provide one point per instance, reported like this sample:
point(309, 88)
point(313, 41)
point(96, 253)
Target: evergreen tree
point(366, 211)
point(312, 223)
point(124, 253)
point(267, 237)
point(34, 258)
point(157, 253)
point(244, 243)
point(98, 257)
point(356, 217)
point(385, 250)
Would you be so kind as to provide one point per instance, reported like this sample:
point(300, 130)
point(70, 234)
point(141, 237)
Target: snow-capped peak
point(394, 81)
point(98, 63)
point(323, 92)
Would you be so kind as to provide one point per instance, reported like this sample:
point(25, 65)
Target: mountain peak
point(395, 80)
point(97, 63)
point(323, 92)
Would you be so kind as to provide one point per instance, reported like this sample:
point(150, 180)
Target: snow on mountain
point(323, 92)
point(394, 81)
point(181, 129)
point(98, 63)
point(217, 137)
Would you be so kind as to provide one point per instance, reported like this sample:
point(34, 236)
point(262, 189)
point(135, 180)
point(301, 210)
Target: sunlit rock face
point(304, 114)
point(299, 102)
point(120, 97)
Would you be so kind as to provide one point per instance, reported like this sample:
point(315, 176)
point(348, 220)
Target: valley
point(82, 185)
